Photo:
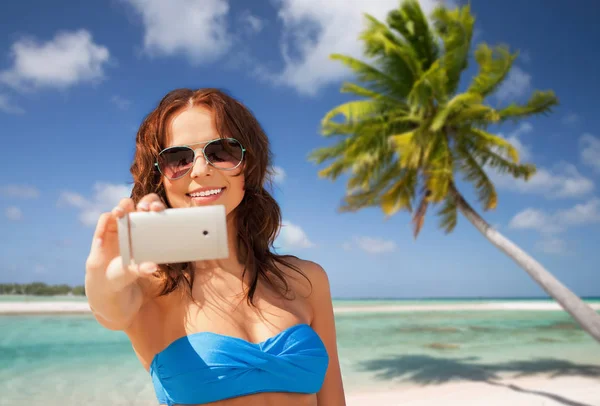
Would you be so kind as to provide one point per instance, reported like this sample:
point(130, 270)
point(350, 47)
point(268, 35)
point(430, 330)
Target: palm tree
point(411, 134)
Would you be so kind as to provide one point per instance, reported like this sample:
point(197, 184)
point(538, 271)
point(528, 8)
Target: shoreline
point(522, 391)
point(76, 307)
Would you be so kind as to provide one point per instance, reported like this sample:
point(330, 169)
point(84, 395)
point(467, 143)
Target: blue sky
point(76, 81)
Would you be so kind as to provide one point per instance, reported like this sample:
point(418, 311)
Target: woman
point(255, 329)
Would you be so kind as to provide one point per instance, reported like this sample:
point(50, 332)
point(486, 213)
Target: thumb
point(101, 227)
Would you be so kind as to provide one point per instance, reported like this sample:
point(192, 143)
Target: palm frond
point(541, 102)
point(501, 165)
point(368, 171)
point(455, 28)
point(335, 169)
point(361, 91)
point(439, 169)
point(401, 193)
point(454, 106)
point(486, 156)
point(323, 154)
point(429, 89)
point(493, 141)
point(448, 215)
point(410, 153)
point(494, 66)
point(398, 58)
point(369, 195)
point(412, 24)
point(350, 129)
point(474, 115)
point(354, 111)
point(374, 78)
point(473, 172)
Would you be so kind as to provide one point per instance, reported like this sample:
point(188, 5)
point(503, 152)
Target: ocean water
point(71, 360)
point(33, 298)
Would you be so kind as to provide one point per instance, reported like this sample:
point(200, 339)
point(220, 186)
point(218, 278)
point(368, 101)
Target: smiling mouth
point(206, 193)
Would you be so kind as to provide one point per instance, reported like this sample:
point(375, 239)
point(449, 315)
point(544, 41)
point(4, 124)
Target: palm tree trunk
point(587, 317)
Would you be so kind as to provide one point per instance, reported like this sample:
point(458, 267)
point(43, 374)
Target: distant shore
point(82, 307)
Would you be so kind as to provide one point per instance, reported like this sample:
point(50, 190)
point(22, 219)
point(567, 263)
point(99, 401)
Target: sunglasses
point(222, 153)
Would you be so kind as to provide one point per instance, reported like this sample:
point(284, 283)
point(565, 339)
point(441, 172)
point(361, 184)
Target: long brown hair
point(258, 216)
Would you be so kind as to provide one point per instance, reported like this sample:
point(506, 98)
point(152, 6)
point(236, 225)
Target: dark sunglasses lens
point(224, 154)
point(176, 161)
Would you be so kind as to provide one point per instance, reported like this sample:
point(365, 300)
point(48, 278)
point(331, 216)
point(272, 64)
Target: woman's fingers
point(157, 206)
point(126, 205)
point(149, 202)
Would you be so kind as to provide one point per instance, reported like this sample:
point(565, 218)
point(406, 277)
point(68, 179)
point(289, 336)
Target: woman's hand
point(107, 280)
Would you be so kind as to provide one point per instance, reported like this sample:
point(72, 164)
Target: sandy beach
point(531, 391)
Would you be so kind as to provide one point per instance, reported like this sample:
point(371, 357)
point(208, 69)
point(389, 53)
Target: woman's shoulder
point(314, 282)
point(310, 268)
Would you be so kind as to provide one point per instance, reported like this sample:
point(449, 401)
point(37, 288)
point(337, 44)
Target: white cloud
point(311, 31)
point(562, 181)
point(278, 174)
point(534, 219)
point(121, 102)
point(558, 221)
point(13, 213)
point(314, 29)
point(516, 85)
point(590, 151)
point(20, 191)
point(196, 29)
point(550, 225)
point(69, 58)
point(375, 245)
point(292, 236)
point(105, 197)
point(370, 245)
point(580, 214)
point(252, 23)
point(7, 107)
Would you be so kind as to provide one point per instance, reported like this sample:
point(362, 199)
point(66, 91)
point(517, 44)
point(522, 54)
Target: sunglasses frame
point(207, 143)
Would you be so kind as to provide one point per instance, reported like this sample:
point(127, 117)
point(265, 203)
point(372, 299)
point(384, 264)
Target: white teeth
point(206, 193)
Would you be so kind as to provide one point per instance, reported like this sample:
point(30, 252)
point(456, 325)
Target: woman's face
point(195, 125)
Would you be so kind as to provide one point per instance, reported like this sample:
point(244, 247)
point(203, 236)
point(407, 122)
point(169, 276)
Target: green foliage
point(408, 137)
point(40, 289)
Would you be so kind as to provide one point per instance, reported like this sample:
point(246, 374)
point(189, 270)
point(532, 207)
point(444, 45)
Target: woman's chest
point(170, 318)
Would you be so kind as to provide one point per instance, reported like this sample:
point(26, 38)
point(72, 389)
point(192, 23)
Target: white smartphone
point(174, 235)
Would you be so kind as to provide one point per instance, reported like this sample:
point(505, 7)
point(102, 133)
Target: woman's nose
point(201, 165)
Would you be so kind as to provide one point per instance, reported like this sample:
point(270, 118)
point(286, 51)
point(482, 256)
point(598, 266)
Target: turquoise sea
point(71, 360)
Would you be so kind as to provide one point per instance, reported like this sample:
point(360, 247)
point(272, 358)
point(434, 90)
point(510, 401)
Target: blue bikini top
point(206, 367)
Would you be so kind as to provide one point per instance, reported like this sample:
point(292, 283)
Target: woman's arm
point(332, 391)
